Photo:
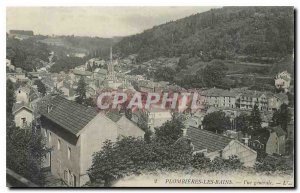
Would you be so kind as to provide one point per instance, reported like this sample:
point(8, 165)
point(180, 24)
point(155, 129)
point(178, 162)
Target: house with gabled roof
point(213, 145)
point(127, 127)
point(22, 93)
point(23, 114)
point(283, 80)
point(276, 141)
point(74, 133)
point(218, 98)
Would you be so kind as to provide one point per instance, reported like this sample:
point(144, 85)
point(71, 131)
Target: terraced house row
point(242, 98)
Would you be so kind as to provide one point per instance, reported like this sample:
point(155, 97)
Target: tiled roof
point(281, 96)
point(82, 73)
point(26, 88)
point(101, 71)
point(17, 106)
point(68, 114)
point(218, 92)
point(202, 139)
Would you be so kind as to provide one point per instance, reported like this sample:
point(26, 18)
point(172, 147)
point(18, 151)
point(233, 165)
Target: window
point(50, 136)
point(24, 122)
point(66, 176)
point(23, 119)
point(58, 144)
point(59, 167)
point(69, 152)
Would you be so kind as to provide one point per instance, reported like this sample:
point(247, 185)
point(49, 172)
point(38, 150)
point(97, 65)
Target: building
point(21, 32)
point(218, 98)
point(23, 115)
point(9, 66)
point(247, 99)
point(17, 77)
point(276, 141)
point(239, 98)
point(283, 81)
point(214, 145)
point(27, 94)
point(276, 100)
point(74, 132)
point(154, 117)
point(196, 120)
point(127, 127)
point(80, 73)
point(22, 93)
point(149, 86)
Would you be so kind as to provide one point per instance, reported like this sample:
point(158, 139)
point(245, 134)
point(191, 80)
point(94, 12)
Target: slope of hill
point(89, 45)
point(226, 33)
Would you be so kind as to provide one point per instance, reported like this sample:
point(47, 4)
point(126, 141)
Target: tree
point(128, 113)
point(199, 161)
point(143, 121)
point(26, 53)
point(25, 151)
point(90, 102)
point(183, 61)
point(170, 131)
point(165, 73)
point(220, 164)
point(291, 99)
point(216, 122)
point(10, 97)
point(132, 156)
point(243, 123)
point(40, 86)
point(255, 119)
point(81, 91)
point(214, 73)
point(66, 63)
point(282, 117)
point(147, 135)
point(273, 163)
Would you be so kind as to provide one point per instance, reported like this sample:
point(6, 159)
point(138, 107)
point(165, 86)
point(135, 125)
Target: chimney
point(49, 107)
point(184, 130)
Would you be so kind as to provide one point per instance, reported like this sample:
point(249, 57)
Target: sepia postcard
point(150, 97)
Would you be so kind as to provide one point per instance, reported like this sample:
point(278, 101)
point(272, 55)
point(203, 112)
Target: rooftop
point(67, 114)
point(203, 139)
point(278, 130)
point(19, 105)
point(81, 73)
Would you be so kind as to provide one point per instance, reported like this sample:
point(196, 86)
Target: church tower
point(110, 67)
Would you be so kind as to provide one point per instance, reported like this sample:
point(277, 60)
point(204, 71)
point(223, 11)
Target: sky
point(93, 21)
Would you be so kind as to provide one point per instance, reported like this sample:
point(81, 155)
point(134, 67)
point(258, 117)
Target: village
point(63, 108)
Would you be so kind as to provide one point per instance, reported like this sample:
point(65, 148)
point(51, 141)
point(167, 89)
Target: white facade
point(22, 96)
point(246, 155)
point(283, 80)
point(158, 118)
point(23, 117)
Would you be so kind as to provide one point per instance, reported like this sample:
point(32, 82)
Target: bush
point(272, 164)
point(219, 164)
point(201, 162)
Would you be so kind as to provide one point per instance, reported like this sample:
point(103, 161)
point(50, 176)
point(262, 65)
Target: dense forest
point(26, 54)
point(225, 33)
point(93, 46)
